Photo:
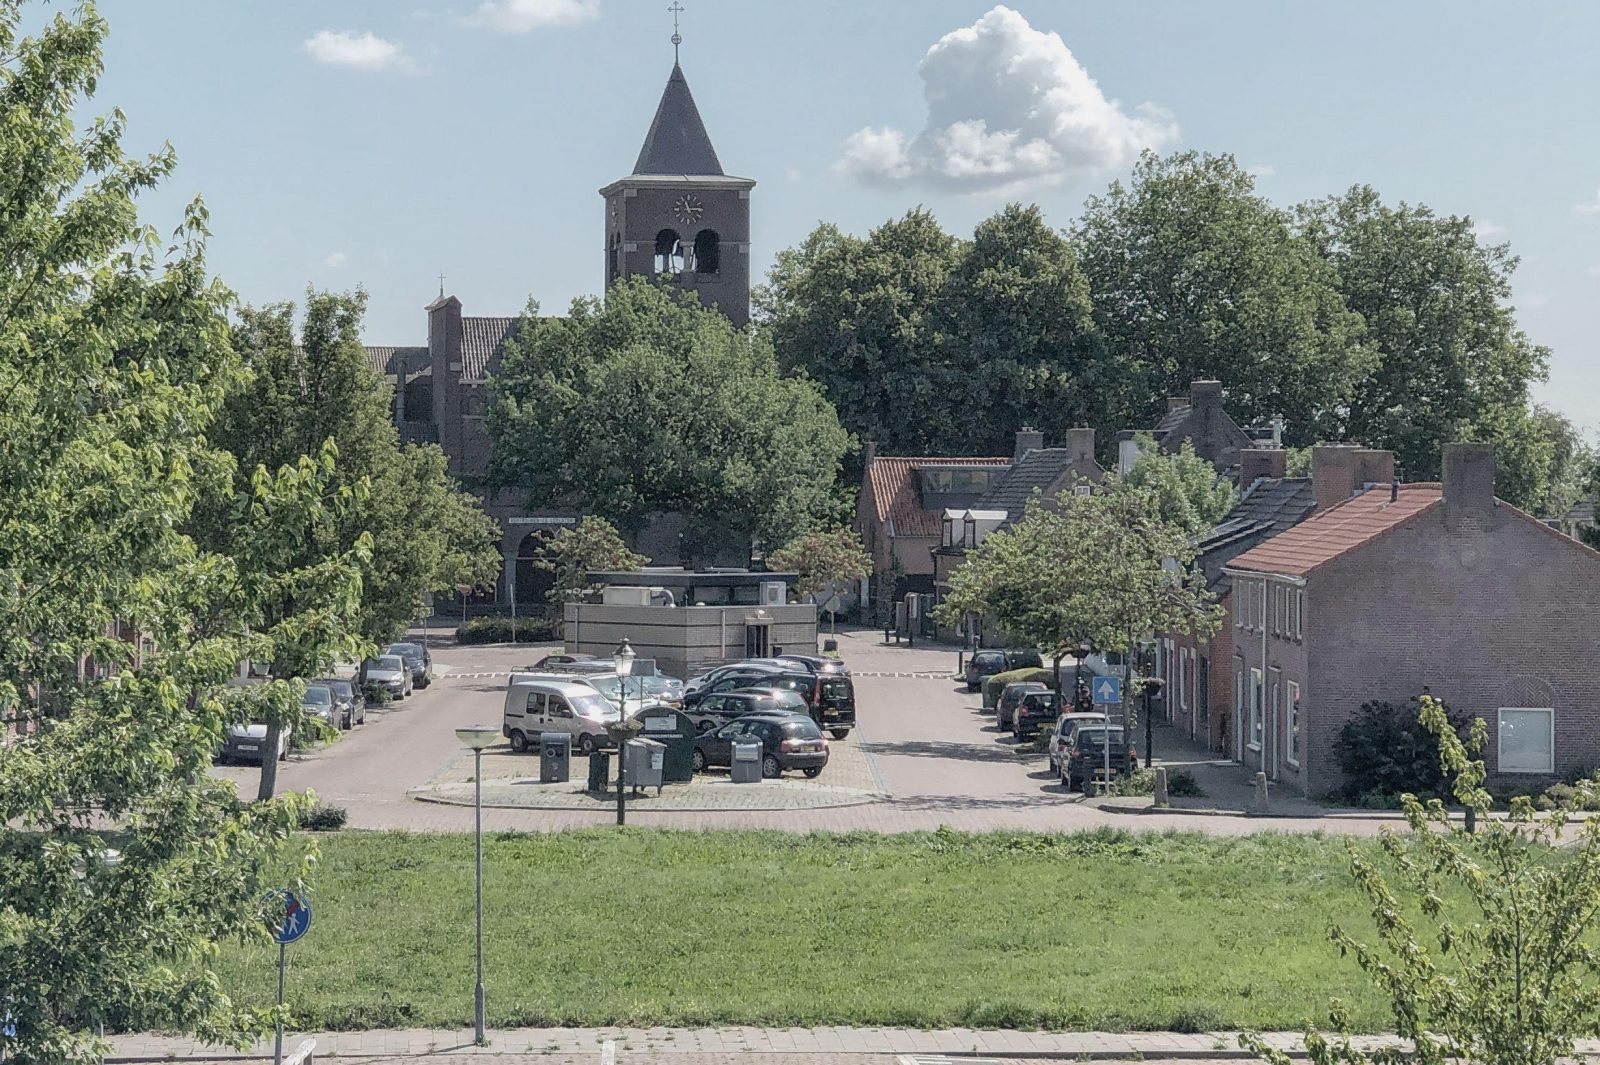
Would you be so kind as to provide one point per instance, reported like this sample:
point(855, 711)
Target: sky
point(382, 143)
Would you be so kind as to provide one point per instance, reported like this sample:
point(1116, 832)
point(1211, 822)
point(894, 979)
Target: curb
point(860, 799)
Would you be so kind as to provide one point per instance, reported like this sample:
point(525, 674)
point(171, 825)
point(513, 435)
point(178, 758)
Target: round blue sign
point(296, 916)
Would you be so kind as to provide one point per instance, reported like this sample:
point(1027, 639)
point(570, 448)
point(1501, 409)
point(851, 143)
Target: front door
point(756, 639)
point(559, 716)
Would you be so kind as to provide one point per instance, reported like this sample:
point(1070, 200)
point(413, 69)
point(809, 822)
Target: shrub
point(503, 630)
point(376, 695)
point(1569, 797)
point(993, 686)
point(1182, 784)
point(1141, 781)
point(321, 818)
point(1385, 749)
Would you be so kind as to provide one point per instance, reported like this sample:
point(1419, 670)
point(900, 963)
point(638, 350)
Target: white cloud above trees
point(1009, 107)
point(357, 51)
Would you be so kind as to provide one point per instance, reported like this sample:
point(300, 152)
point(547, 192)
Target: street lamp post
point(476, 738)
point(625, 728)
point(1152, 691)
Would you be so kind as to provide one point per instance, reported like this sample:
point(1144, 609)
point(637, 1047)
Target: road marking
point(608, 1052)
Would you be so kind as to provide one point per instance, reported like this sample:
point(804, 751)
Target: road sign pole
point(277, 1042)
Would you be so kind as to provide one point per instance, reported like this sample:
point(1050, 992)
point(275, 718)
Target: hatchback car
point(788, 741)
point(715, 710)
point(1005, 707)
point(1035, 711)
point(1085, 761)
point(809, 663)
point(349, 704)
point(418, 660)
point(388, 673)
point(1066, 728)
point(318, 702)
point(247, 742)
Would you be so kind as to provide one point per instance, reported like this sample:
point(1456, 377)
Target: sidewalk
point(804, 1043)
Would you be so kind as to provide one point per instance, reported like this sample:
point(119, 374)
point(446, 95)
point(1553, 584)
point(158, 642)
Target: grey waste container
point(555, 757)
point(747, 763)
point(643, 762)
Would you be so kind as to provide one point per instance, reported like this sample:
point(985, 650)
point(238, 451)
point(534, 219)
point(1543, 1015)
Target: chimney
point(1258, 462)
point(1028, 439)
point(1127, 451)
point(1374, 467)
point(1468, 483)
point(869, 451)
point(1176, 403)
point(1333, 473)
point(1080, 450)
point(1205, 395)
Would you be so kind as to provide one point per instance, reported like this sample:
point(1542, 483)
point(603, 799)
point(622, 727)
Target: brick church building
point(676, 214)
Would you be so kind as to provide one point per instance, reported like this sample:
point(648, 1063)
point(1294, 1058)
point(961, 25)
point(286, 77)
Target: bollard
point(1261, 806)
point(1163, 800)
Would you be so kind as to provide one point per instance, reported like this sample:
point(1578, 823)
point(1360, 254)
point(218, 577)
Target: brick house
point(1197, 672)
point(1438, 587)
point(1201, 419)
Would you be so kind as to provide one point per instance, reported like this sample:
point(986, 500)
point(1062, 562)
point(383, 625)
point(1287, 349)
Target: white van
point(608, 685)
point(555, 705)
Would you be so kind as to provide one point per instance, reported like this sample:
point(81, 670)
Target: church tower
point(678, 216)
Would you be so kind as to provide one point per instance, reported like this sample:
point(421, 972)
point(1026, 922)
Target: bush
point(376, 695)
point(1182, 784)
point(1569, 797)
point(1141, 781)
point(502, 630)
point(321, 818)
point(993, 686)
point(1385, 750)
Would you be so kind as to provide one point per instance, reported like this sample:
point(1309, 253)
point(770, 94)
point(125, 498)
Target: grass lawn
point(1095, 931)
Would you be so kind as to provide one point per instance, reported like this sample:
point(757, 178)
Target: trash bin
point(599, 772)
point(555, 758)
point(676, 730)
point(642, 763)
point(747, 763)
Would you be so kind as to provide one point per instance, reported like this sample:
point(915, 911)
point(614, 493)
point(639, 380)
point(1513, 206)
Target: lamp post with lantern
point(626, 727)
point(475, 738)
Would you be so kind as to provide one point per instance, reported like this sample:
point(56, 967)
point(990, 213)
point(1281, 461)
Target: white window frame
point(1291, 698)
point(1261, 607)
point(1499, 756)
point(1256, 727)
point(1183, 677)
point(1299, 615)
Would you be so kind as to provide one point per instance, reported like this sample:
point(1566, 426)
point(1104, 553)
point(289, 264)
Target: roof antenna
point(677, 38)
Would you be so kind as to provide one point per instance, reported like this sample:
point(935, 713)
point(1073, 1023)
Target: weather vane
point(677, 38)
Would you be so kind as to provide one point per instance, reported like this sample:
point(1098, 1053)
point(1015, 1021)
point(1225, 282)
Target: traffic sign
point(296, 917)
point(1107, 690)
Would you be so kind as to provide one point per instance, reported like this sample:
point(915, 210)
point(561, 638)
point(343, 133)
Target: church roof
point(388, 360)
point(677, 142)
point(483, 342)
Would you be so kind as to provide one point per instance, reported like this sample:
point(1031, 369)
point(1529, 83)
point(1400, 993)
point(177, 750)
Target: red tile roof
point(1325, 536)
point(894, 491)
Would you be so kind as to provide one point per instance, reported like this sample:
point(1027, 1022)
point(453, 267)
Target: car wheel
point(697, 761)
point(839, 733)
point(813, 772)
point(519, 742)
point(1088, 787)
point(586, 744)
point(770, 768)
point(971, 687)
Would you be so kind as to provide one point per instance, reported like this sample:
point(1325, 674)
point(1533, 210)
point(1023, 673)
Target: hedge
point(993, 686)
point(504, 630)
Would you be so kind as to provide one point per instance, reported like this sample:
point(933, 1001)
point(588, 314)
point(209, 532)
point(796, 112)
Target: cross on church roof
point(677, 38)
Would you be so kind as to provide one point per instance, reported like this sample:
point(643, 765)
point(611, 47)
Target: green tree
point(1187, 491)
point(593, 545)
point(825, 560)
point(1450, 363)
point(123, 863)
point(1484, 939)
point(647, 403)
point(1194, 275)
point(426, 533)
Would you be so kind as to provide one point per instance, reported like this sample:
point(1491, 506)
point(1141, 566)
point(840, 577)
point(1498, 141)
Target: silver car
point(388, 673)
point(557, 704)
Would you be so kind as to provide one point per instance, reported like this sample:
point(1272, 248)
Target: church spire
point(677, 142)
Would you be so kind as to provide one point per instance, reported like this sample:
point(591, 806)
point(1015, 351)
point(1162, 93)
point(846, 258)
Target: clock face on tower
point(688, 210)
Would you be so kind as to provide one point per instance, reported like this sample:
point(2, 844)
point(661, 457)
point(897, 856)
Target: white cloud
point(359, 51)
point(525, 16)
point(1591, 207)
point(1484, 229)
point(335, 260)
point(1260, 170)
point(1009, 107)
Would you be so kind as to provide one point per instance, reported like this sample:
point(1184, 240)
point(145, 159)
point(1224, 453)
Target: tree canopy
point(593, 545)
point(825, 559)
point(646, 403)
point(1187, 490)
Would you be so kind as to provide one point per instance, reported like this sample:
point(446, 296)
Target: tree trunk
point(269, 763)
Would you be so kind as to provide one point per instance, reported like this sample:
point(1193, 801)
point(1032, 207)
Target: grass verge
point(1090, 931)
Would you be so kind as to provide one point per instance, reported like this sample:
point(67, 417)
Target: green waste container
point(674, 730)
point(599, 771)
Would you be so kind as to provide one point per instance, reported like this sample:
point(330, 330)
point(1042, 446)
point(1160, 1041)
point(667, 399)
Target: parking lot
point(923, 756)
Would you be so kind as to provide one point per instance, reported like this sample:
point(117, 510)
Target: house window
point(1261, 606)
point(1297, 616)
point(1291, 692)
point(1527, 740)
point(1240, 606)
point(1256, 684)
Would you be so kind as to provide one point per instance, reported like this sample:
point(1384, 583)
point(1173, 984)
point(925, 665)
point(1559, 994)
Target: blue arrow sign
point(296, 917)
point(1107, 690)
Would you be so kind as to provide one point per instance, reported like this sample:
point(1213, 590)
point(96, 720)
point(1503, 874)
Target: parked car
point(388, 672)
point(813, 663)
point(248, 742)
point(1066, 727)
point(418, 660)
point(987, 663)
point(349, 704)
point(1035, 711)
point(788, 741)
point(831, 697)
point(663, 689)
point(557, 705)
point(719, 708)
point(710, 677)
point(559, 658)
point(318, 702)
point(1085, 760)
point(1005, 707)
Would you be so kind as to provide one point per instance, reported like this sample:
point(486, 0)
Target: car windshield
point(590, 706)
point(391, 662)
point(407, 650)
point(988, 661)
point(317, 693)
point(609, 686)
point(340, 688)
